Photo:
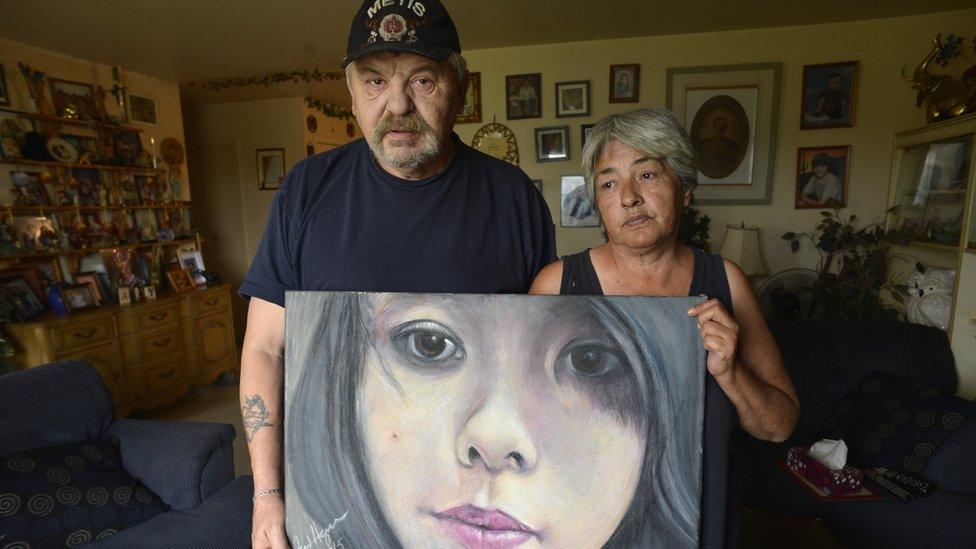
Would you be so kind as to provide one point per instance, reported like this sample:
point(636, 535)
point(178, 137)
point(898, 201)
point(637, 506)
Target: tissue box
point(844, 481)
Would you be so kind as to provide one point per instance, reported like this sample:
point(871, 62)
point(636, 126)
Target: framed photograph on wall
point(829, 95)
point(585, 134)
point(4, 94)
point(72, 99)
point(271, 168)
point(572, 99)
point(576, 205)
point(822, 176)
point(731, 114)
point(471, 110)
point(625, 83)
point(142, 110)
point(524, 96)
point(552, 144)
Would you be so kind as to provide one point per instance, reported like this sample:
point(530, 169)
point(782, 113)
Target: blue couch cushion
point(69, 495)
point(899, 424)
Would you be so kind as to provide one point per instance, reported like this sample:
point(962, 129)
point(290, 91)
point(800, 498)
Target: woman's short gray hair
point(655, 132)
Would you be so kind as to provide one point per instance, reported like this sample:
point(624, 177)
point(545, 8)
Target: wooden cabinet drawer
point(151, 344)
point(147, 317)
point(215, 341)
point(69, 337)
point(157, 375)
point(209, 302)
point(105, 359)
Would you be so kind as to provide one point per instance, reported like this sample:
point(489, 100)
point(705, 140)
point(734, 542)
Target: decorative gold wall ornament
point(497, 140)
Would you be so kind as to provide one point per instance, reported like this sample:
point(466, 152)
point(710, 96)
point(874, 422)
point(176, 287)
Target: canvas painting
point(449, 420)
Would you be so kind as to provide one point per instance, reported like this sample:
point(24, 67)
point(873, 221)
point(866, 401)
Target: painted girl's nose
point(496, 438)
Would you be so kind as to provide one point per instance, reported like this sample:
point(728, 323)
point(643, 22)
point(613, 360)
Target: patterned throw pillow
point(892, 422)
point(70, 495)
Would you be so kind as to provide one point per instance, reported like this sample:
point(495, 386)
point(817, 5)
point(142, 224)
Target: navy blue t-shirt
point(339, 222)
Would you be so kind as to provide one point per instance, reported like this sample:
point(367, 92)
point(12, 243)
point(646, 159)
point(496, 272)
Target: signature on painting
point(323, 538)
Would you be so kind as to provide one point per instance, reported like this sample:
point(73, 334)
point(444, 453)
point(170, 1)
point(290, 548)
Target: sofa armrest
point(182, 462)
point(222, 521)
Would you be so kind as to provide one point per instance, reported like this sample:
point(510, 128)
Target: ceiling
point(183, 40)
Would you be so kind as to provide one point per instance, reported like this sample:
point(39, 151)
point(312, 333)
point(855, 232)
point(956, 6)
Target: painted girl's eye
point(594, 360)
point(428, 342)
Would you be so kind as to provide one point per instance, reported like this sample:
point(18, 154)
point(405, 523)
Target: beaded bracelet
point(266, 492)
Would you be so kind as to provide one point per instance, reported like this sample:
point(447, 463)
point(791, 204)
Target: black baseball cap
point(416, 26)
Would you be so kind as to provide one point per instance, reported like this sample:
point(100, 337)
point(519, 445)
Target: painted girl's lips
point(476, 527)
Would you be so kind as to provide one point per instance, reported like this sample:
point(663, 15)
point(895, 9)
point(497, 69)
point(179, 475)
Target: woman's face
point(499, 423)
point(640, 202)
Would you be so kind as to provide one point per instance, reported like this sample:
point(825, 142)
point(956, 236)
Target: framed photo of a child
point(823, 176)
point(829, 95)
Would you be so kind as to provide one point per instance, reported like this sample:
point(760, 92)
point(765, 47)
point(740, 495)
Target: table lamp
point(741, 246)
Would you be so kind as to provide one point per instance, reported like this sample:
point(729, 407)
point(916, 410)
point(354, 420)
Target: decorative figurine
point(944, 96)
point(930, 300)
point(35, 85)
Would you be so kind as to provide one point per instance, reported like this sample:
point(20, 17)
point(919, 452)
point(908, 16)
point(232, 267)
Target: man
point(528, 98)
point(410, 208)
point(822, 187)
point(717, 152)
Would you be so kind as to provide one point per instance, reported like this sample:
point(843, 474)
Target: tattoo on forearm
point(255, 415)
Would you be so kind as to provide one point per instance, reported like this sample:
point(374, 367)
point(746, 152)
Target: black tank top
point(720, 498)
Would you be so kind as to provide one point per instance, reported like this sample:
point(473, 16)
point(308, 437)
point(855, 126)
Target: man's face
point(720, 125)
point(833, 83)
point(406, 105)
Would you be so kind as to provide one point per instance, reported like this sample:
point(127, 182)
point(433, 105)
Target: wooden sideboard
point(148, 353)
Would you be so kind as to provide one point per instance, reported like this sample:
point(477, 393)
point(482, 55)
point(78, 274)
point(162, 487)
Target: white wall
point(251, 125)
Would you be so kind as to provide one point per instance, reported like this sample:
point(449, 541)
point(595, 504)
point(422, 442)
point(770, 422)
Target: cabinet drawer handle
point(158, 317)
point(85, 335)
point(214, 324)
point(163, 343)
point(169, 373)
point(211, 302)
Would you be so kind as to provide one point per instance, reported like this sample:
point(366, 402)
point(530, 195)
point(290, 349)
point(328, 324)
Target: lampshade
point(741, 246)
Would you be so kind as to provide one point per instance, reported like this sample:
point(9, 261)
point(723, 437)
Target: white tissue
point(831, 453)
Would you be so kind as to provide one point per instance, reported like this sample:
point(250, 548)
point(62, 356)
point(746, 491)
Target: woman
point(492, 421)
point(642, 169)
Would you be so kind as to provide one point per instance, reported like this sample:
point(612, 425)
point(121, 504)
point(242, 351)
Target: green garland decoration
point(329, 109)
point(270, 79)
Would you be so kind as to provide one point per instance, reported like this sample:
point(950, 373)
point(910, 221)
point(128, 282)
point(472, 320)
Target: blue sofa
point(172, 483)
point(886, 388)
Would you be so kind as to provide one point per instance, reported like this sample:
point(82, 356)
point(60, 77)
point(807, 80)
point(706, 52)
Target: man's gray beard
point(401, 157)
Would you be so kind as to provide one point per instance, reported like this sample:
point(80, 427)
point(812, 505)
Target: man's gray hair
point(654, 132)
point(455, 60)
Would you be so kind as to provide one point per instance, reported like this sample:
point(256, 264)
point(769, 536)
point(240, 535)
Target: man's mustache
point(408, 123)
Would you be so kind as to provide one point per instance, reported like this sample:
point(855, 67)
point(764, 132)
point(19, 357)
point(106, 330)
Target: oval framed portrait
point(720, 136)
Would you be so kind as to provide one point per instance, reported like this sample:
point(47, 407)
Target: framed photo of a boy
point(822, 176)
point(829, 95)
